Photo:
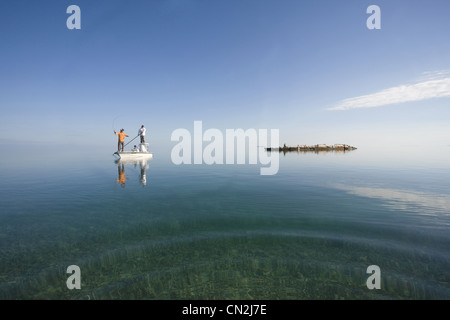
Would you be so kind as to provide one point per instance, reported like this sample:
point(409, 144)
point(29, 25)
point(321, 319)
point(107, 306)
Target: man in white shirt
point(141, 133)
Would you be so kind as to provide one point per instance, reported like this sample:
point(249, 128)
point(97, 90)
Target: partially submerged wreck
point(314, 148)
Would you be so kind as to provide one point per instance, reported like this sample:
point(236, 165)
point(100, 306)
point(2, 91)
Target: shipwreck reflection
point(136, 164)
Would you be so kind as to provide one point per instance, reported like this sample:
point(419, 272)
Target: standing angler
point(121, 141)
point(141, 133)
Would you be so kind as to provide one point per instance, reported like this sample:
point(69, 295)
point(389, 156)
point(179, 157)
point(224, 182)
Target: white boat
point(129, 155)
point(137, 153)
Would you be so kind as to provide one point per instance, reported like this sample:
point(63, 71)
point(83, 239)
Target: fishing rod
point(113, 126)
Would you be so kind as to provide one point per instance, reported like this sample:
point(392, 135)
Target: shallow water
point(225, 231)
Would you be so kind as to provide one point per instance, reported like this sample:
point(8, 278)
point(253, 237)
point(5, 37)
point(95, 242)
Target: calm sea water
point(225, 231)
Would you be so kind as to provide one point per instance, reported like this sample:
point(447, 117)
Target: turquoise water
point(224, 231)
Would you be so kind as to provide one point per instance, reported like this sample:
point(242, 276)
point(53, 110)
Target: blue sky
point(311, 69)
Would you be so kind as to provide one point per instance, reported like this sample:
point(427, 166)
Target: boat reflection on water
point(141, 163)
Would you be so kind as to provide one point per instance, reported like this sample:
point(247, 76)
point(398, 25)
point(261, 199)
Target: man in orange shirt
point(122, 136)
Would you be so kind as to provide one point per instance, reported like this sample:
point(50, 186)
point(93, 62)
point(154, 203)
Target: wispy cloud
point(432, 85)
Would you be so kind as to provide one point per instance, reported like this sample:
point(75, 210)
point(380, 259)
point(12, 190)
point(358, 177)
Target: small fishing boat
point(140, 152)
